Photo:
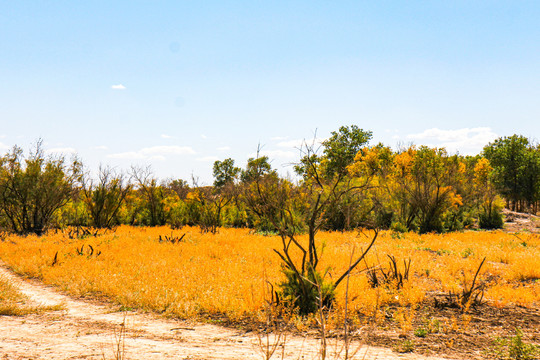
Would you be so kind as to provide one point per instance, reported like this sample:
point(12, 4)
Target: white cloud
point(153, 153)
point(208, 158)
point(166, 150)
point(101, 147)
point(129, 155)
point(61, 150)
point(204, 136)
point(3, 146)
point(118, 87)
point(467, 141)
point(165, 136)
point(279, 138)
point(157, 158)
point(224, 148)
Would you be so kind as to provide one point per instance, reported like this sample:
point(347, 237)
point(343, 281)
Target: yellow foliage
point(482, 169)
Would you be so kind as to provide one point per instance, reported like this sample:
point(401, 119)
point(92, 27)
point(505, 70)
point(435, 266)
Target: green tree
point(507, 156)
point(342, 146)
point(225, 172)
point(211, 201)
point(256, 168)
point(33, 189)
point(530, 179)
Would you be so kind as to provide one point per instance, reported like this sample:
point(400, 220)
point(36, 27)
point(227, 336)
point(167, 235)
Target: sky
point(177, 85)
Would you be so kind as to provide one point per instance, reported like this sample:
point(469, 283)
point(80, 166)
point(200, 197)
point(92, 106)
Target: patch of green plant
point(434, 326)
point(421, 332)
point(443, 252)
point(406, 346)
point(431, 326)
point(398, 227)
point(303, 293)
point(513, 348)
point(491, 220)
point(467, 252)
point(267, 232)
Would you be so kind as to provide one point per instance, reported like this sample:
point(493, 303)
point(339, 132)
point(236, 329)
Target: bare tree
point(104, 196)
point(152, 192)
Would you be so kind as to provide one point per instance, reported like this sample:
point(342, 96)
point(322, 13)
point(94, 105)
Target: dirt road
point(85, 330)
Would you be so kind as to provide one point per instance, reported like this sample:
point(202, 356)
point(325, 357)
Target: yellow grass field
point(226, 275)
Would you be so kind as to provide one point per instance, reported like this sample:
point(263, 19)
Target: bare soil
point(92, 330)
point(520, 222)
point(461, 335)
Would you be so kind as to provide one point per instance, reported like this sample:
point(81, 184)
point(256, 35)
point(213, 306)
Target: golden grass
point(13, 303)
point(225, 274)
point(10, 299)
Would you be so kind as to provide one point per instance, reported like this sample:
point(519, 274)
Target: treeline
point(341, 185)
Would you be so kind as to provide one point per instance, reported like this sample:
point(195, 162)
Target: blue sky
point(179, 84)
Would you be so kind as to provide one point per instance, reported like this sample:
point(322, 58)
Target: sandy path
point(86, 330)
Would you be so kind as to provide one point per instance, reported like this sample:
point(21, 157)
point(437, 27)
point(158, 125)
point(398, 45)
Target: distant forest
point(342, 184)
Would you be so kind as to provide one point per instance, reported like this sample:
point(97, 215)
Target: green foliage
point(73, 213)
point(178, 214)
point(303, 292)
point(431, 326)
point(467, 252)
point(491, 220)
point(33, 189)
point(514, 348)
point(399, 227)
point(383, 219)
point(225, 172)
point(234, 216)
point(516, 169)
point(342, 146)
point(339, 151)
point(349, 212)
point(256, 168)
point(406, 346)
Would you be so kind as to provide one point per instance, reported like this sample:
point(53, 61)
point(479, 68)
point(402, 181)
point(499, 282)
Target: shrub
point(303, 293)
point(513, 348)
point(491, 220)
